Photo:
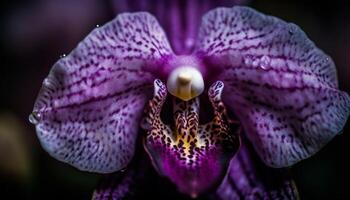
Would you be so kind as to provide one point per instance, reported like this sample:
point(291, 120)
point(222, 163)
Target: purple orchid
point(247, 84)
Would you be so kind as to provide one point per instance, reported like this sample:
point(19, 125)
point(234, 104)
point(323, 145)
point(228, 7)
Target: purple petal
point(179, 18)
point(249, 178)
point(194, 157)
point(281, 86)
point(115, 187)
point(88, 110)
point(139, 181)
point(128, 184)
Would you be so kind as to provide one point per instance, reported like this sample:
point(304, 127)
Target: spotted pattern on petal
point(195, 157)
point(128, 184)
point(281, 86)
point(88, 110)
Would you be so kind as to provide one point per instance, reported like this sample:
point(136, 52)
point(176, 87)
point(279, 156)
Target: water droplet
point(63, 55)
point(97, 25)
point(265, 62)
point(34, 117)
point(122, 170)
point(47, 82)
point(292, 29)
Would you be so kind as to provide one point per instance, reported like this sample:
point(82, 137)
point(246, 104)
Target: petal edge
point(88, 110)
point(281, 86)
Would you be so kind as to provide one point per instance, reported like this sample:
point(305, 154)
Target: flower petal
point(249, 178)
point(281, 86)
point(88, 110)
point(180, 19)
point(128, 184)
point(194, 157)
point(115, 186)
point(138, 181)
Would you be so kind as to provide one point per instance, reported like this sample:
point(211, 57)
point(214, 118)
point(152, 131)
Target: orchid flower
point(251, 93)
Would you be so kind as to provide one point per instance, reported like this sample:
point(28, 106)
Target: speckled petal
point(115, 187)
point(179, 18)
point(88, 110)
point(127, 184)
point(248, 178)
point(281, 86)
point(194, 157)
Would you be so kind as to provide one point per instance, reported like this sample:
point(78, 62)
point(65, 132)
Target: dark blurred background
point(35, 33)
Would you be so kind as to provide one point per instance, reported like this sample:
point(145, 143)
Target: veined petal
point(281, 86)
point(88, 110)
point(249, 178)
point(179, 18)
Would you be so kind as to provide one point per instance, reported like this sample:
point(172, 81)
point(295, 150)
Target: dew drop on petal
point(122, 170)
point(265, 62)
point(34, 117)
point(47, 83)
point(97, 25)
point(63, 55)
point(326, 60)
point(292, 29)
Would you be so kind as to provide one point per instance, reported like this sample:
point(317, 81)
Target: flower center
point(185, 83)
point(194, 156)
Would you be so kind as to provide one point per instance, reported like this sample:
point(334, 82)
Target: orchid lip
point(194, 156)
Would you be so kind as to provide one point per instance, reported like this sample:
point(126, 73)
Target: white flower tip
point(185, 83)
